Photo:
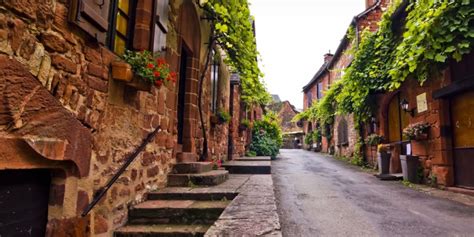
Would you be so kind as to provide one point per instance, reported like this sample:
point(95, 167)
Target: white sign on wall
point(421, 103)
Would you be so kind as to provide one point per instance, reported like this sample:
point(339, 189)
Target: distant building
point(292, 131)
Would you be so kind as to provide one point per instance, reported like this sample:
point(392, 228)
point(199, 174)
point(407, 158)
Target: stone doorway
point(187, 106)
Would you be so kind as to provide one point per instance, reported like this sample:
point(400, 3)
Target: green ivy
point(234, 33)
point(434, 32)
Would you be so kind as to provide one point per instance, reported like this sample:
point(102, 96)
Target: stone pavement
point(252, 212)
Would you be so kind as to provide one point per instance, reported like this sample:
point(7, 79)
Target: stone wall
point(67, 66)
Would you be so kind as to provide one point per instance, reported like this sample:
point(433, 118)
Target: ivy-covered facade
point(414, 71)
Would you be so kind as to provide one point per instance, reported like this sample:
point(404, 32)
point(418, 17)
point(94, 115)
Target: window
point(160, 25)
point(214, 81)
point(120, 37)
point(320, 90)
point(309, 98)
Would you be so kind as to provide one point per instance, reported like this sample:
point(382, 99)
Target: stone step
point(209, 178)
point(192, 167)
point(209, 196)
point(253, 158)
point(248, 167)
point(176, 212)
point(161, 230)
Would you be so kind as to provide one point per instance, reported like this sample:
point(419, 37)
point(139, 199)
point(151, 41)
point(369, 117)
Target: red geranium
point(160, 61)
point(150, 65)
point(156, 74)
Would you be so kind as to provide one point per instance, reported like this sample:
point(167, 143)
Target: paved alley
point(320, 196)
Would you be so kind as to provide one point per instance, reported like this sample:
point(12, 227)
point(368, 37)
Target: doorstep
point(390, 177)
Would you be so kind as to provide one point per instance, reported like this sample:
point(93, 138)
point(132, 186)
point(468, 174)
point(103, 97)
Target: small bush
point(267, 136)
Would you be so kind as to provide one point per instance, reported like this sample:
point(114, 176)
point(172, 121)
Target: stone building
point(66, 126)
point(291, 130)
point(343, 135)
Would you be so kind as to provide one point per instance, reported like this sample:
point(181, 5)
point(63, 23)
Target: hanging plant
point(374, 139)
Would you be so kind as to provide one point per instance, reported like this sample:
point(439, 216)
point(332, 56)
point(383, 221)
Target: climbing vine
point(234, 33)
point(433, 33)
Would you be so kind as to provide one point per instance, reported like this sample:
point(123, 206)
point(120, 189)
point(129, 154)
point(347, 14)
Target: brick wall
point(36, 39)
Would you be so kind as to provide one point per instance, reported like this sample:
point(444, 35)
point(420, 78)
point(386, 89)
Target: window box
point(122, 71)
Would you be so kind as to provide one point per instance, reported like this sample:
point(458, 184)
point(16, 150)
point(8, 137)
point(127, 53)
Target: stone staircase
point(179, 214)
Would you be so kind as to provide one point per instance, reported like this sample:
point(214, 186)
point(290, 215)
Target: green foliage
point(250, 153)
point(357, 158)
point(267, 136)
point(374, 139)
point(246, 123)
point(434, 32)
point(308, 139)
point(317, 136)
point(223, 116)
point(232, 25)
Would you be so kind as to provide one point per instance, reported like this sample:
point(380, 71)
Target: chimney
point(369, 3)
point(328, 57)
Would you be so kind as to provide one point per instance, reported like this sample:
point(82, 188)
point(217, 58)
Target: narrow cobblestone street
point(320, 196)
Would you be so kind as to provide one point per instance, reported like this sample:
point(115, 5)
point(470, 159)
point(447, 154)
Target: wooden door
point(397, 120)
point(24, 202)
point(462, 118)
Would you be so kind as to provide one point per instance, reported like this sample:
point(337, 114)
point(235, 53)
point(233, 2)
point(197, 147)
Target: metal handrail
point(102, 191)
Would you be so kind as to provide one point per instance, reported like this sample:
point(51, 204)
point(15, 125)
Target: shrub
point(267, 136)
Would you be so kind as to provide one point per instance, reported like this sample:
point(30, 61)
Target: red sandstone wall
point(76, 72)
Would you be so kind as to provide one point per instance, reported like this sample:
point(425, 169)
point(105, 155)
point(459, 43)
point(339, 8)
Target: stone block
point(100, 224)
point(82, 201)
point(54, 42)
point(96, 83)
point(63, 63)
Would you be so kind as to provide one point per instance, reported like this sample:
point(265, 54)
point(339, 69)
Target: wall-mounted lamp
point(404, 104)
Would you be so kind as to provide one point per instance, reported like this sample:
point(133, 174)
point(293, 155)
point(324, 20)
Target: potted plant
point(244, 124)
point(374, 139)
point(417, 131)
point(220, 117)
point(383, 158)
point(147, 70)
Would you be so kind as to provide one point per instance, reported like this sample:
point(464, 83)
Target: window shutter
point(162, 14)
point(91, 16)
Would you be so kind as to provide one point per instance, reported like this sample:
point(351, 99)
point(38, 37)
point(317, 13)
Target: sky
point(293, 36)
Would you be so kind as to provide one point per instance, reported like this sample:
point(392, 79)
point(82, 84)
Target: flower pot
point(409, 168)
point(122, 71)
point(242, 127)
point(421, 137)
point(139, 84)
point(383, 160)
